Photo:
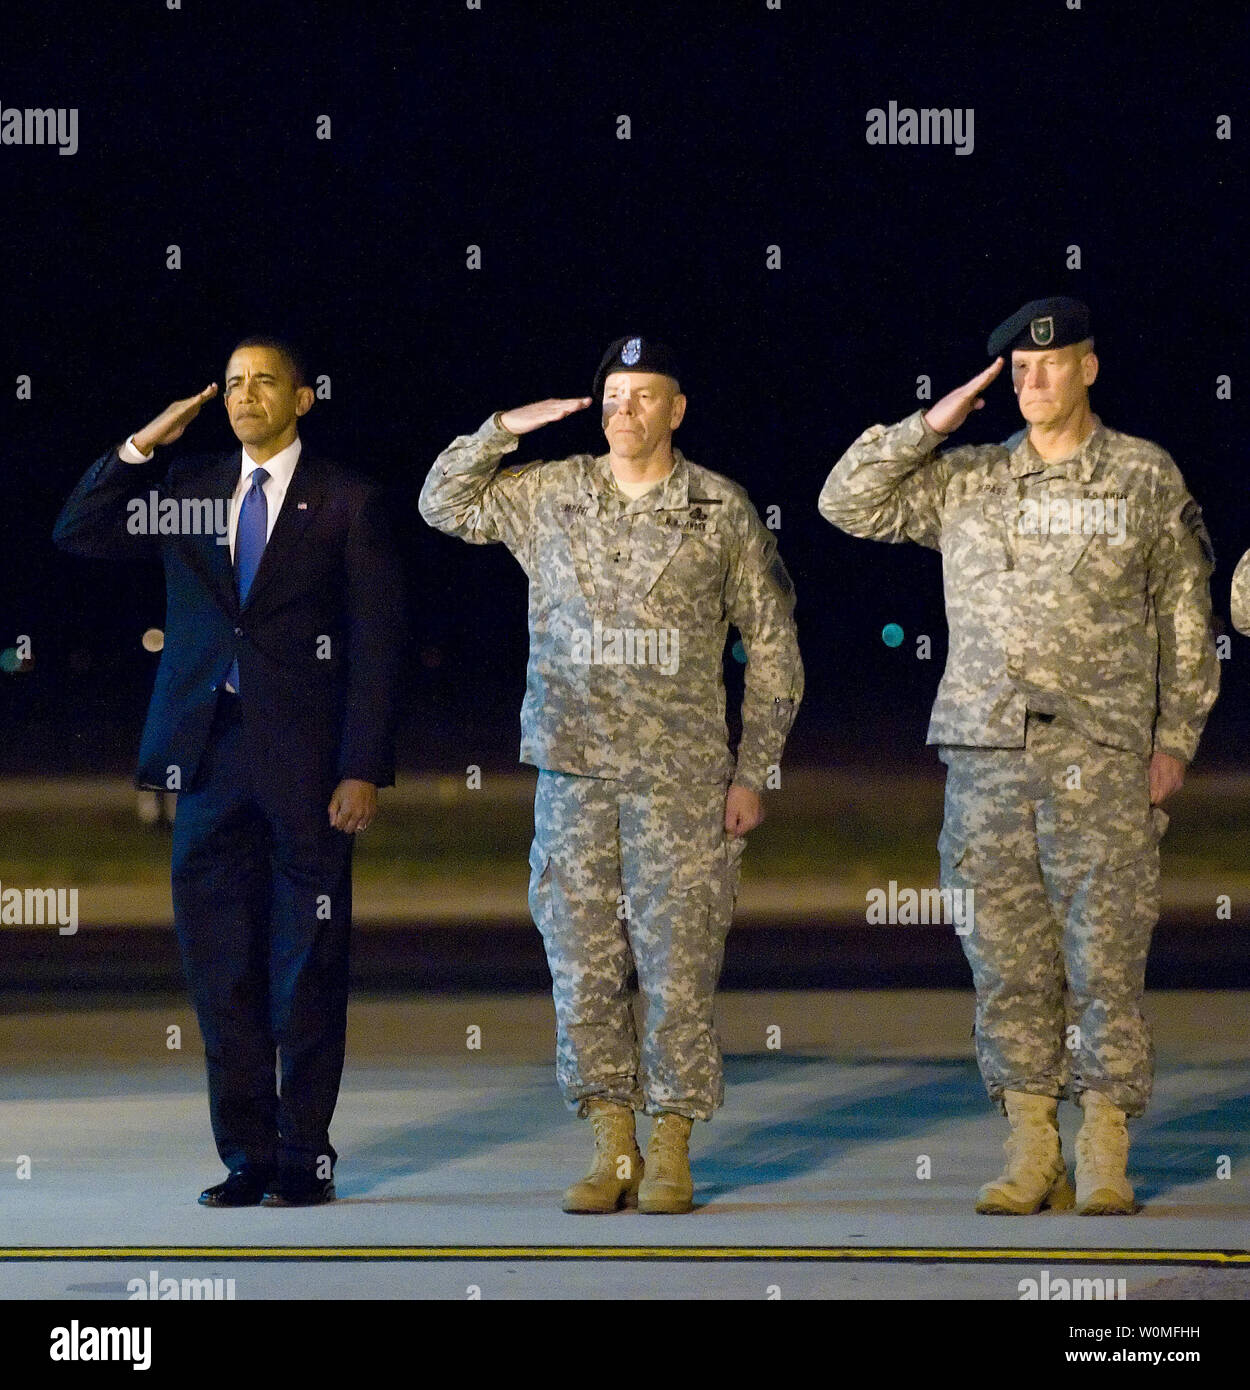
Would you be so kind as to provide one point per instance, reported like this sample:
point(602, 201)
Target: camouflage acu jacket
point(1239, 605)
point(629, 606)
point(1078, 588)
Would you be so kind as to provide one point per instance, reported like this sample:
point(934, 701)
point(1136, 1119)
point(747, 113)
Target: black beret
point(635, 355)
point(1042, 323)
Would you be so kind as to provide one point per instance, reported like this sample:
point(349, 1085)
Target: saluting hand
point(953, 409)
point(171, 422)
point(531, 417)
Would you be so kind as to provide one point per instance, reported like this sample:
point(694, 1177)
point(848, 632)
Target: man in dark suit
point(273, 718)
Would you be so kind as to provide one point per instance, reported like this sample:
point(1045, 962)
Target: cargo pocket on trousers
point(1125, 893)
point(1128, 848)
point(734, 847)
point(712, 883)
point(952, 851)
point(540, 883)
point(957, 874)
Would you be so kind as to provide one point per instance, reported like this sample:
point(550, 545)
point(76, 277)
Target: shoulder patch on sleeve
point(780, 576)
point(1191, 520)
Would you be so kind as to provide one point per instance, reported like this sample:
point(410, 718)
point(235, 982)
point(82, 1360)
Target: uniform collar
point(1079, 467)
point(672, 493)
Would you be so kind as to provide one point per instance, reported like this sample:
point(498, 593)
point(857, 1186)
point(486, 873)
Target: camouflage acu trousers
point(628, 875)
point(1060, 844)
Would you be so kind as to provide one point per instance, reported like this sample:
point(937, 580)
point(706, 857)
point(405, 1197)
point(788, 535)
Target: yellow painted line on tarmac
point(805, 1253)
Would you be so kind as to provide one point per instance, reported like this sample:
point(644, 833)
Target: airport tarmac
point(843, 1165)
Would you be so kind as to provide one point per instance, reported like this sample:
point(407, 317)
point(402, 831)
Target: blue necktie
point(249, 545)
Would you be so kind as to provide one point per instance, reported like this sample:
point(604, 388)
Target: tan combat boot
point(616, 1168)
point(667, 1187)
point(1102, 1188)
point(1035, 1176)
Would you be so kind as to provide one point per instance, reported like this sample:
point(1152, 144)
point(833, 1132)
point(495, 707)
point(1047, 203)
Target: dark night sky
point(450, 127)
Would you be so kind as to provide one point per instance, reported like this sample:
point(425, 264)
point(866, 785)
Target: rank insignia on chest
point(697, 514)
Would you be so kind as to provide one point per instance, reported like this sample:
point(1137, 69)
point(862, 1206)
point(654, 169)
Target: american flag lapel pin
point(303, 506)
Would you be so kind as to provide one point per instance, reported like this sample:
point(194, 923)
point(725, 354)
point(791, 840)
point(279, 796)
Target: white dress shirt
point(280, 468)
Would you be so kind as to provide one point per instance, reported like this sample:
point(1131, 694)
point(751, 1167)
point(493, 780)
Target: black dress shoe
point(297, 1189)
point(243, 1188)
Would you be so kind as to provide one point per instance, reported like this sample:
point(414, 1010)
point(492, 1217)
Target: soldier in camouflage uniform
point(637, 562)
point(1080, 674)
point(1239, 608)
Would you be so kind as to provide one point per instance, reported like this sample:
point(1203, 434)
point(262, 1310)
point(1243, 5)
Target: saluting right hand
point(953, 409)
point(171, 422)
point(531, 417)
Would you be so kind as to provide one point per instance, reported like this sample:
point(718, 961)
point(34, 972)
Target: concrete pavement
point(451, 1154)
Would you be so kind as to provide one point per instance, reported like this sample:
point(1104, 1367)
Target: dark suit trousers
point(262, 908)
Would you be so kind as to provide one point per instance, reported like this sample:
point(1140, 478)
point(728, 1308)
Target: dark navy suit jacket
point(317, 641)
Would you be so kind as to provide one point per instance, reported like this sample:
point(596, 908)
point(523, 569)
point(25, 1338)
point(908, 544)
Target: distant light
point(892, 635)
point(739, 652)
point(153, 640)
